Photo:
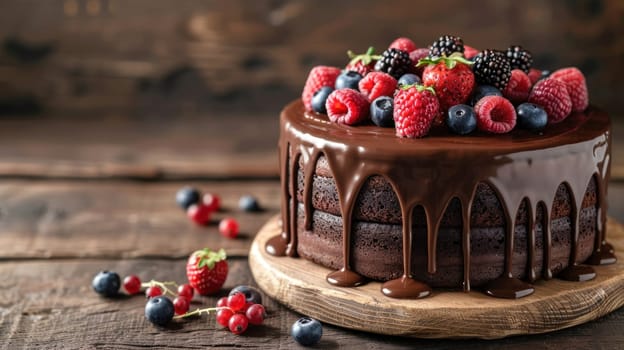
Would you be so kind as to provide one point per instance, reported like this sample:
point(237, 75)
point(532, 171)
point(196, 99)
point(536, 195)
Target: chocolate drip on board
point(430, 172)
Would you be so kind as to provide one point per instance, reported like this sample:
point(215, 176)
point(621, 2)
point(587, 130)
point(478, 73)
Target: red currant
point(256, 314)
point(223, 316)
point(153, 291)
point(238, 323)
point(181, 305)
point(222, 302)
point(228, 228)
point(132, 284)
point(212, 201)
point(185, 290)
point(236, 301)
point(199, 213)
point(246, 307)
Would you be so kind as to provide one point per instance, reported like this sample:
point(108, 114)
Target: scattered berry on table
point(250, 203)
point(238, 323)
point(470, 52)
point(576, 85)
point(319, 99)
point(185, 290)
point(159, 310)
point(461, 119)
point(153, 291)
point(256, 314)
point(495, 114)
point(552, 95)
point(404, 44)
point(347, 106)
point(415, 108)
point(212, 201)
point(106, 283)
point(362, 63)
point(207, 270)
point(531, 116)
point(446, 45)
point(348, 79)
point(377, 84)
point(394, 62)
point(491, 67)
point(132, 284)
point(236, 301)
point(187, 196)
point(307, 331)
point(519, 58)
point(223, 316)
point(481, 91)
point(518, 88)
point(181, 305)
point(318, 77)
point(199, 213)
point(381, 111)
point(252, 295)
point(408, 79)
point(222, 302)
point(450, 77)
point(228, 228)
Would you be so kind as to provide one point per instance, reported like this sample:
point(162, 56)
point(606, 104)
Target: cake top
point(446, 88)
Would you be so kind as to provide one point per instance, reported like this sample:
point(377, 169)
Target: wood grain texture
point(556, 304)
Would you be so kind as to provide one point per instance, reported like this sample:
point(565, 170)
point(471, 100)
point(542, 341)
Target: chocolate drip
point(430, 172)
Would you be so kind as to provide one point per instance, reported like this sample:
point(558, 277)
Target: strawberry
point(362, 63)
point(347, 106)
point(576, 85)
point(495, 114)
point(319, 76)
point(377, 84)
point(404, 44)
point(552, 95)
point(450, 77)
point(207, 270)
point(517, 90)
point(415, 108)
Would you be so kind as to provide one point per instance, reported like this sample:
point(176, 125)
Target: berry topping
point(187, 196)
point(446, 45)
point(224, 315)
point(470, 52)
point(552, 95)
point(132, 284)
point(347, 106)
point(404, 44)
point(153, 291)
point(377, 84)
point(495, 114)
point(185, 290)
point(394, 62)
point(159, 310)
point(519, 58)
point(492, 68)
point(252, 295)
point(307, 331)
point(484, 90)
point(450, 77)
point(250, 203)
point(181, 305)
point(207, 270)
point(320, 98)
point(319, 76)
point(517, 90)
point(531, 116)
point(576, 85)
point(199, 213)
point(212, 201)
point(415, 107)
point(348, 79)
point(238, 323)
point(106, 283)
point(461, 119)
point(381, 111)
point(256, 314)
point(228, 228)
point(362, 63)
point(408, 79)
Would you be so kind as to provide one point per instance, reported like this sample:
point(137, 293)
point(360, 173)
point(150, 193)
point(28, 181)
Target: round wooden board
point(556, 304)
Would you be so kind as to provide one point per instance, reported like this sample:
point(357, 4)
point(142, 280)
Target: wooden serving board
point(556, 304)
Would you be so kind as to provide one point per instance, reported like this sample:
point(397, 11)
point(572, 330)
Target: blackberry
point(519, 58)
point(446, 45)
point(491, 67)
point(394, 62)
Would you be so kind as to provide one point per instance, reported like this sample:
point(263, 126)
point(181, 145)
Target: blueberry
point(381, 111)
point(159, 310)
point(106, 283)
point(251, 293)
point(248, 203)
point(531, 116)
point(348, 80)
point(319, 99)
point(484, 90)
point(307, 331)
point(545, 74)
point(409, 79)
point(187, 196)
point(461, 119)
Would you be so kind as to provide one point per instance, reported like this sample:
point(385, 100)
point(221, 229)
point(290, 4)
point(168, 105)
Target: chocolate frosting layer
point(432, 171)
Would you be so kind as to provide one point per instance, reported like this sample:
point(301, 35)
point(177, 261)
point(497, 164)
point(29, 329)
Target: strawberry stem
point(419, 88)
point(366, 58)
point(450, 61)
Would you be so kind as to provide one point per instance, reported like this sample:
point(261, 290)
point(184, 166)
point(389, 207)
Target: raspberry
point(495, 114)
point(347, 106)
point(416, 56)
point(552, 95)
point(319, 76)
point(404, 44)
point(415, 108)
point(576, 85)
point(377, 84)
point(535, 75)
point(470, 52)
point(517, 90)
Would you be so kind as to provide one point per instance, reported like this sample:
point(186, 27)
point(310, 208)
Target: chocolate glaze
point(430, 172)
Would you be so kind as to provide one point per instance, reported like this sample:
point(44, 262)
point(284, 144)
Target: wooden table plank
point(50, 304)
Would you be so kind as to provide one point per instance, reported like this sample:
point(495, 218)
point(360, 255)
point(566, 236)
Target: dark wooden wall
point(193, 56)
